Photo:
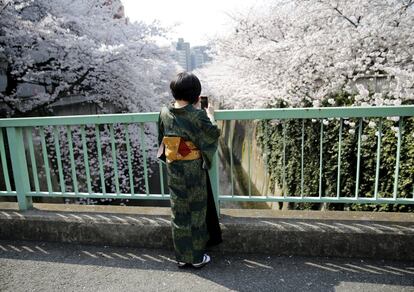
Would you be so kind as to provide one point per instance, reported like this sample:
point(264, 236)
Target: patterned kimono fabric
point(194, 219)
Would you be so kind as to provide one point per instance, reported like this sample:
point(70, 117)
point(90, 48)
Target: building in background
point(183, 54)
point(190, 58)
point(199, 56)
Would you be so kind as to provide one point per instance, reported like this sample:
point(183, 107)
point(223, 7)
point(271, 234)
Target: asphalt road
point(39, 266)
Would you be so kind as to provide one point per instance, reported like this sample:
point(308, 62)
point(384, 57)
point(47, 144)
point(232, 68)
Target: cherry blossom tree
point(60, 48)
point(305, 51)
point(82, 48)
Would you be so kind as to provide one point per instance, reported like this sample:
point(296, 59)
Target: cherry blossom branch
point(347, 18)
point(5, 5)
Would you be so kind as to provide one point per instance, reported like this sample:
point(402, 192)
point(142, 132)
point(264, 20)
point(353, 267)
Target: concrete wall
point(243, 134)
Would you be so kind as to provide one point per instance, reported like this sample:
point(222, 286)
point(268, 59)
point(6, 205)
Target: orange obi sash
point(176, 148)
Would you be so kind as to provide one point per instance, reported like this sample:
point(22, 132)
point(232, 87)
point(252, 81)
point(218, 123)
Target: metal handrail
point(19, 139)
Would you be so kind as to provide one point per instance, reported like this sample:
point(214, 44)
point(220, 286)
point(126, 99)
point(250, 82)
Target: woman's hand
point(197, 105)
point(210, 113)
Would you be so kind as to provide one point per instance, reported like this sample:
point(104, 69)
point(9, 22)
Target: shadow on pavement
point(150, 270)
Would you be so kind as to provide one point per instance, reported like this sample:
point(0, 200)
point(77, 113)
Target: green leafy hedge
point(270, 138)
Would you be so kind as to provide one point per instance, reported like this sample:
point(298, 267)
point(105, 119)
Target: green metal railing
point(344, 113)
point(21, 158)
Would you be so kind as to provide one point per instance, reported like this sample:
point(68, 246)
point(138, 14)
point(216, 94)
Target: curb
point(359, 236)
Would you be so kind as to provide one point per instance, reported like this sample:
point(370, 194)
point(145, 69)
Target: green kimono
point(188, 182)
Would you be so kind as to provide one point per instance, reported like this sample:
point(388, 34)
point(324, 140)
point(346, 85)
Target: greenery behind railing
point(270, 138)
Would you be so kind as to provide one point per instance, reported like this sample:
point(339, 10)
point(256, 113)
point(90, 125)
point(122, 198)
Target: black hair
point(186, 86)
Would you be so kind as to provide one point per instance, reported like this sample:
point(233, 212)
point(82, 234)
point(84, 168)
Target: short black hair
point(186, 86)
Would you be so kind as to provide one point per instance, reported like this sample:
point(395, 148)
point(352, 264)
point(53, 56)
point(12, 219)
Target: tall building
point(190, 58)
point(183, 55)
point(199, 56)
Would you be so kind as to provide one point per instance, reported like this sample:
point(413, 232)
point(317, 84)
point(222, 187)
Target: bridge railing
point(327, 117)
point(96, 157)
point(113, 156)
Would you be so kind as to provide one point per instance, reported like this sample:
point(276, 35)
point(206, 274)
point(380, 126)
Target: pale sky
point(195, 20)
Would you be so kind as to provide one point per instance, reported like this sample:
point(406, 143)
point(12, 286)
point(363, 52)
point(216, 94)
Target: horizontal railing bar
point(80, 120)
point(241, 114)
point(308, 113)
point(315, 199)
point(99, 196)
point(6, 193)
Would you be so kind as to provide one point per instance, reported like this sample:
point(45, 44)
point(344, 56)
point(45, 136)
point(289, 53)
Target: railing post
point(19, 166)
point(213, 173)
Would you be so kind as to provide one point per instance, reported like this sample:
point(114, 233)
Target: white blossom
point(372, 124)
point(311, 50)
point(363, 92)
point(395, 129)
point(83, 48)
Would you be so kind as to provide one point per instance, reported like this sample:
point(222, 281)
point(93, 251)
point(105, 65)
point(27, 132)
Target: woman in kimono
point(188, 139)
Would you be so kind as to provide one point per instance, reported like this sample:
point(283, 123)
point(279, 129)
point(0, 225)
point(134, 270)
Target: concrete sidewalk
point(339, 234)
point(40, 266)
